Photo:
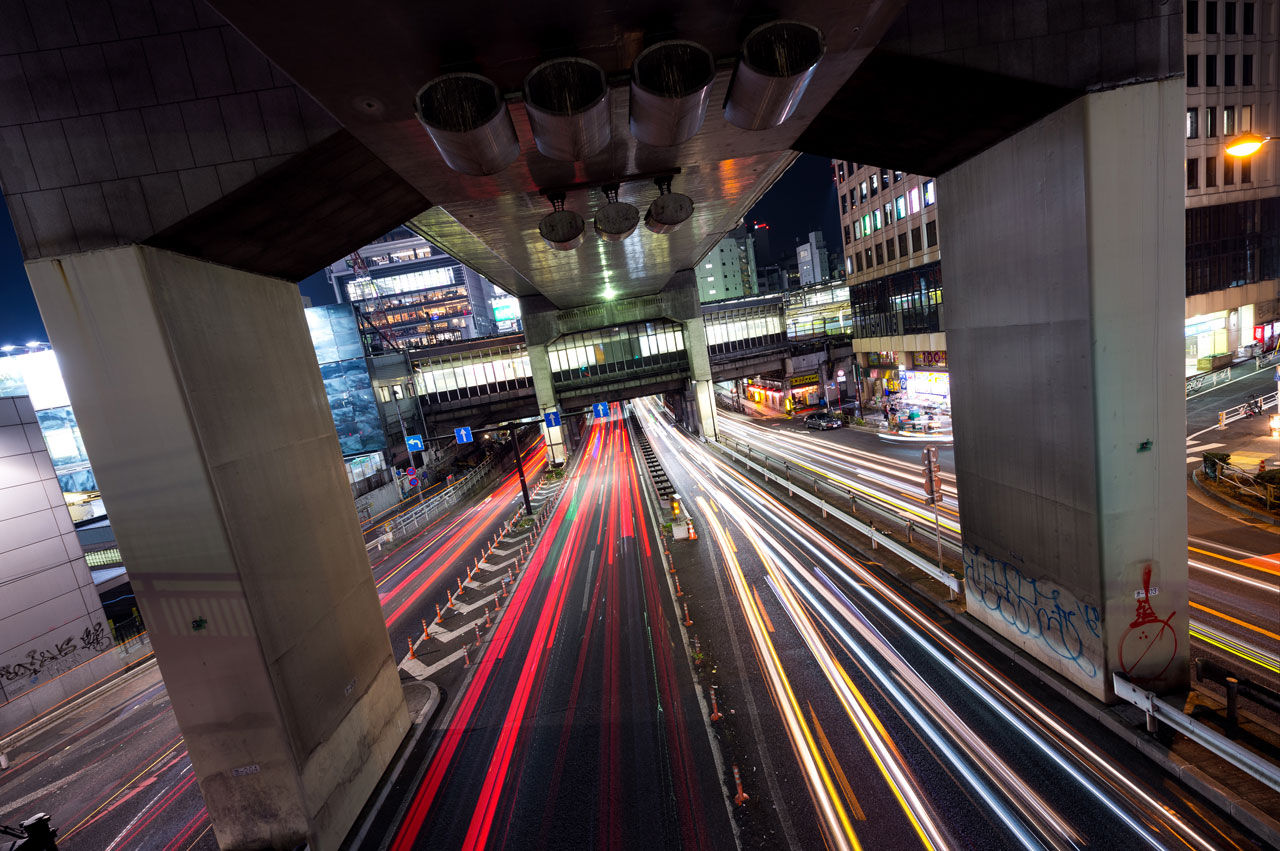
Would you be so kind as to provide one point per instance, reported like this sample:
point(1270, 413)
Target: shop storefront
point(1206, 338)
point(805, 391)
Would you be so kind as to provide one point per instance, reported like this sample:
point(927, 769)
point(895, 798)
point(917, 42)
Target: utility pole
point(524, 486)
point(933, 487)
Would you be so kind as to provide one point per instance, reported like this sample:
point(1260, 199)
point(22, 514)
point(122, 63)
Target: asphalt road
point(115, 773)
point(905, 728)
point(1234, 560)
point(578, 727)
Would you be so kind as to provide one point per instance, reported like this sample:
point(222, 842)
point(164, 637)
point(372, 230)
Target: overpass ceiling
point(365, 63)
point(951, 78)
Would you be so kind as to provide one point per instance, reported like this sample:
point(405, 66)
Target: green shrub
point(1268, 477)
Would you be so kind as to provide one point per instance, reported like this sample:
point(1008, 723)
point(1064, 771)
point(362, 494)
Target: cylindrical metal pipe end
point(668, 212)
point(778, 60)
point(670, 87)
point(469, 122)
point(568, 105)
point(562, 230)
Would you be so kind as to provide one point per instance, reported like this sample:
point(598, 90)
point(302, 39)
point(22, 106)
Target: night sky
point(802, 200)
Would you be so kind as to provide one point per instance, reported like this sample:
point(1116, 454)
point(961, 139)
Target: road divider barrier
point(742, 797)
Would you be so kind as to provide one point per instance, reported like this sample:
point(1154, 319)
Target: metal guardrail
point(1207, 380)
point(1158, 710)
point(411, 521)
point(1239, 412)
point(875, 536)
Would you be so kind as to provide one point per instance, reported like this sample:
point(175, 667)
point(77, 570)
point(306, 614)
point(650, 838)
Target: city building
point(410, 294)
point(892, 261)
point(1233, 207)
point(811, 259)
point(729, 270)
point(52, 626)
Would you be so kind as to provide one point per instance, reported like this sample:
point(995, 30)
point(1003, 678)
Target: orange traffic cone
point(742, 797)
point(693, 536)
point(411, 653)
point(687, 621)
point(715, 708)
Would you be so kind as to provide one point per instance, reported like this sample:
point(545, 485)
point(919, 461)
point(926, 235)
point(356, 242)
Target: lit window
point(1193, 123)
point(848, 265)
point(913, 199)
point(900, 205)
point(710, 278)
point(866, 224)
point(712, 292)
point(1245, 123)
point(930, 194)
point(875, 218)
point(708, 265)
point(863, 188)
point(1228, 121)
point(857, 228)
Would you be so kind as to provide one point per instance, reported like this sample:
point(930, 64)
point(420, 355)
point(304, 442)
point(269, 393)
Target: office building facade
point(412, 295)
point(811, 259)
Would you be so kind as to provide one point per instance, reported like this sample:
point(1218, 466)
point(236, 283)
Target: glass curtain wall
point(635, 348)
point(743, 329)
point(471, 374)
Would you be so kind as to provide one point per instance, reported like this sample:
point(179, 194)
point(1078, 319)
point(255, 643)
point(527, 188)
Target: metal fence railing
point(407, 524)
point(1241, 411)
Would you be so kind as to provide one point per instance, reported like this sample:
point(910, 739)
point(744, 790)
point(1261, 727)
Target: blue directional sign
point(414, 443)
point(600, 410)
point(551, 418)
point(463, 435)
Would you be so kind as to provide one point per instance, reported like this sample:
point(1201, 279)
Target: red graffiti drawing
point(1146, 644)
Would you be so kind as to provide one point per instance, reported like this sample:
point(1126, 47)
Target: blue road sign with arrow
point(463, 435)
point(600, 410)
point(551, 418)
point(414, 443)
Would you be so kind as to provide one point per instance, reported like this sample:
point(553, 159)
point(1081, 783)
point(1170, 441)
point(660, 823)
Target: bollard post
point(1153, 723)
point(687, 621)
point(679, 590)
point(477, 633)
point(411, 653)
point(488, 618)
point(1233, 705)
point(425, 634)
point(742, 797)
point(871, 533)
point(910, 526)
point(466, 660)
point(510, 576)
point(450, 604)
point(439, 614)
point(715, 707)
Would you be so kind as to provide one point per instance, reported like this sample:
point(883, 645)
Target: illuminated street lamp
point(1275, 425)
point(1247, 144)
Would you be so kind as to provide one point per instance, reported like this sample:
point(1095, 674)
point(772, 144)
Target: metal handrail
point(1238, 412)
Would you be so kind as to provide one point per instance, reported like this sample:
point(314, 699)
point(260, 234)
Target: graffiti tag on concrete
point(55, 660)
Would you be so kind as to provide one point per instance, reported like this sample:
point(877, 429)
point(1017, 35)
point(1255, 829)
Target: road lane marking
point(1205, 448)
point(1250, 563)
point(855, 808)
point(1237, 621)
point(760, 605)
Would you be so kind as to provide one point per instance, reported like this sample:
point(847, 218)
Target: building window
point(930, 194)
point(1193, 123)
point(1210, 121)
point(915, 240)
point(1193, 173)
point(913, 199)
point(902, 244)
point(1229, 70)
point(848, 265)
point(708, 265)
point(1248, 19)
point(884, 178)
point(1210, 172)
point(1193, 15)
point(1245, 123)
point(864, 190)
point(1228, 121)
point(1229, 23)
point(1211, 71)
point(853, 198)
point(931, 233)
point(876, 220)
point(900, 206)
point(840, 171)
point(866, 255)
point(1193, 70)
point(857, 228)
point(888, 250)
point(1211, 17)
point(858, 258)
point(848, 238)
point(1229, 171)
point(888, 213)
point(844, 204)
point(879, 253)
point(897, 176)
point(1246, 70)
point(866, 224)
point(1246, 170)
point(875, 184)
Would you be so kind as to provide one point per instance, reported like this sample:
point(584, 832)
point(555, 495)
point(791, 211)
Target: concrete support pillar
point(540, 367)
point(199, 398)
point(1065, 271)
point(704, 389)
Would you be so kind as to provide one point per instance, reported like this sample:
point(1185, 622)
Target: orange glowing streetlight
point(1247, 144)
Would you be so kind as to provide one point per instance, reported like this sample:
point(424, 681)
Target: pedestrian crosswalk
point(1195, 447)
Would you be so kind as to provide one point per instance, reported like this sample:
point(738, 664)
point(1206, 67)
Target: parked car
point(821, 421)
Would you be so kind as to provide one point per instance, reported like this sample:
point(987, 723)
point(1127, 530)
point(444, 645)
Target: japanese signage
point(929, 360)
